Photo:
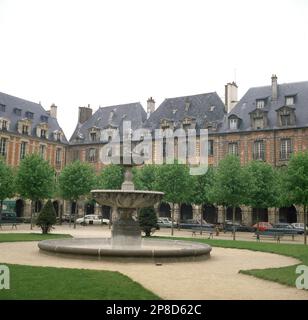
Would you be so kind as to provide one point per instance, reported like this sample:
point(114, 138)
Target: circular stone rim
point(180, 248)
point(127, 191)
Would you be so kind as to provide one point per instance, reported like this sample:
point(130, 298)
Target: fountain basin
point(150, 248)
point(127, 198)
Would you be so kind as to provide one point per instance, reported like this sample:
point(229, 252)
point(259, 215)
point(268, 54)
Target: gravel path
point(216, 278)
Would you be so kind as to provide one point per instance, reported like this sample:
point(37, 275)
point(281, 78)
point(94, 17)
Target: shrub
point(147, 220)
point(47, 217)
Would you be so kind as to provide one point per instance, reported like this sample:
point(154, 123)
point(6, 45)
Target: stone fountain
point(126, 241)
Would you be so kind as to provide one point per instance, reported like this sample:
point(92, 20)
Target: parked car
point(262, 226)
point(92, 219)
point(165, 222)
point(299, 226)
point(230, 226)
point(10, 217)
point(191, 223)
point(286, 227)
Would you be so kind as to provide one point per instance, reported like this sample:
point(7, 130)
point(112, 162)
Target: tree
point(261, 186)
point(76, 180)
point(174, 180)
point(7, 184)
point(111, 177)
point(296, 181)
point(147, 220)
point(229, 184)
point(145, 177)
point(35, 180)
point(47, 217)
point(201, 189)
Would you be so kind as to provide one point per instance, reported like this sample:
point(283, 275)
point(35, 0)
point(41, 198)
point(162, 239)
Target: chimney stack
point(230, 95)
point(150, 106)
point(53, 111)
point(84, 114)
point(274, 87)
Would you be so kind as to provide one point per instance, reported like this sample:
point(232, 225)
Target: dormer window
point(286, 116)
point(17, 111)
point(44, 119)
point(29, 115)
point(43, 133)
point(260, 103)
point(165, 124)
point(4, 124)
point(233, 123)
point(258, 119)
point(289, 100)
point(2, 107)
point(93, 136)
point(258, 123)
point(25, 129)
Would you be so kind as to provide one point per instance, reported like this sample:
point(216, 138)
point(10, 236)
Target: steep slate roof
point(205, 108)
point(248, 104)
point(12, 102)
point(112, 116)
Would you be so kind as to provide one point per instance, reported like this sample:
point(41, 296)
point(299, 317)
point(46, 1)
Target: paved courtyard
point(216, 278)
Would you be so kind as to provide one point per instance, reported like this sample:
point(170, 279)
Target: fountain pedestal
point(125, 230)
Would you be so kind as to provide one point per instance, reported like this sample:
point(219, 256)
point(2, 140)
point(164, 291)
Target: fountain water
point(126, 240)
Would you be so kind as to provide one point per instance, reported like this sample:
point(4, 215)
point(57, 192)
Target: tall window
point(58, 136)
point(92, 155)
point(259, 123)
point(2, 107)
point(25, 129)
point(3, 146)
point(23, 147)
point(58, 156)
point(285, 149)
point(210, 147)
point(259, 150)
point(42, 151)
point(233, 148)
point(75, 155)
point(233, 124)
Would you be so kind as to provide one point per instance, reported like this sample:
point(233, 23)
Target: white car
point(92, 219)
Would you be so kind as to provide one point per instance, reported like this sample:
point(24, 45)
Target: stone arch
point(288, 214)
point(89, 207)
point(262, 213)
point(186, 211)
point(165, 210)
point(238, 214)
point(209, 213)
point(20, 205)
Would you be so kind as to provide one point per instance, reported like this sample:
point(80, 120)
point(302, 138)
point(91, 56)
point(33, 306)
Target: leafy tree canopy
point(111, 177)
point(145, 177)
point(76, 179)
point(35, 178)
point(7, 181)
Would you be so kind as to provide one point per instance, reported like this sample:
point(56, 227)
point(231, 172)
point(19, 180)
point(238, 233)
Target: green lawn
point(59, 283)
point(13, 237)
point(283, 275)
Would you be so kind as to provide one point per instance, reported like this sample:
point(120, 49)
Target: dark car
point(229, 226)
point(10, 217)
point(286, 228)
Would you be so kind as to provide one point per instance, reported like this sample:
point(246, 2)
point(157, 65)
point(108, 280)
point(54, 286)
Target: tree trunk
point(172, 217)
point(305, 225)
point(75, 215)
point(201, 215)
point(31, 215)
point(1, 204)
point(233, 221)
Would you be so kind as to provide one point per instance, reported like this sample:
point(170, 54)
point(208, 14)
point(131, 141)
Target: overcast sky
point(74, 53)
